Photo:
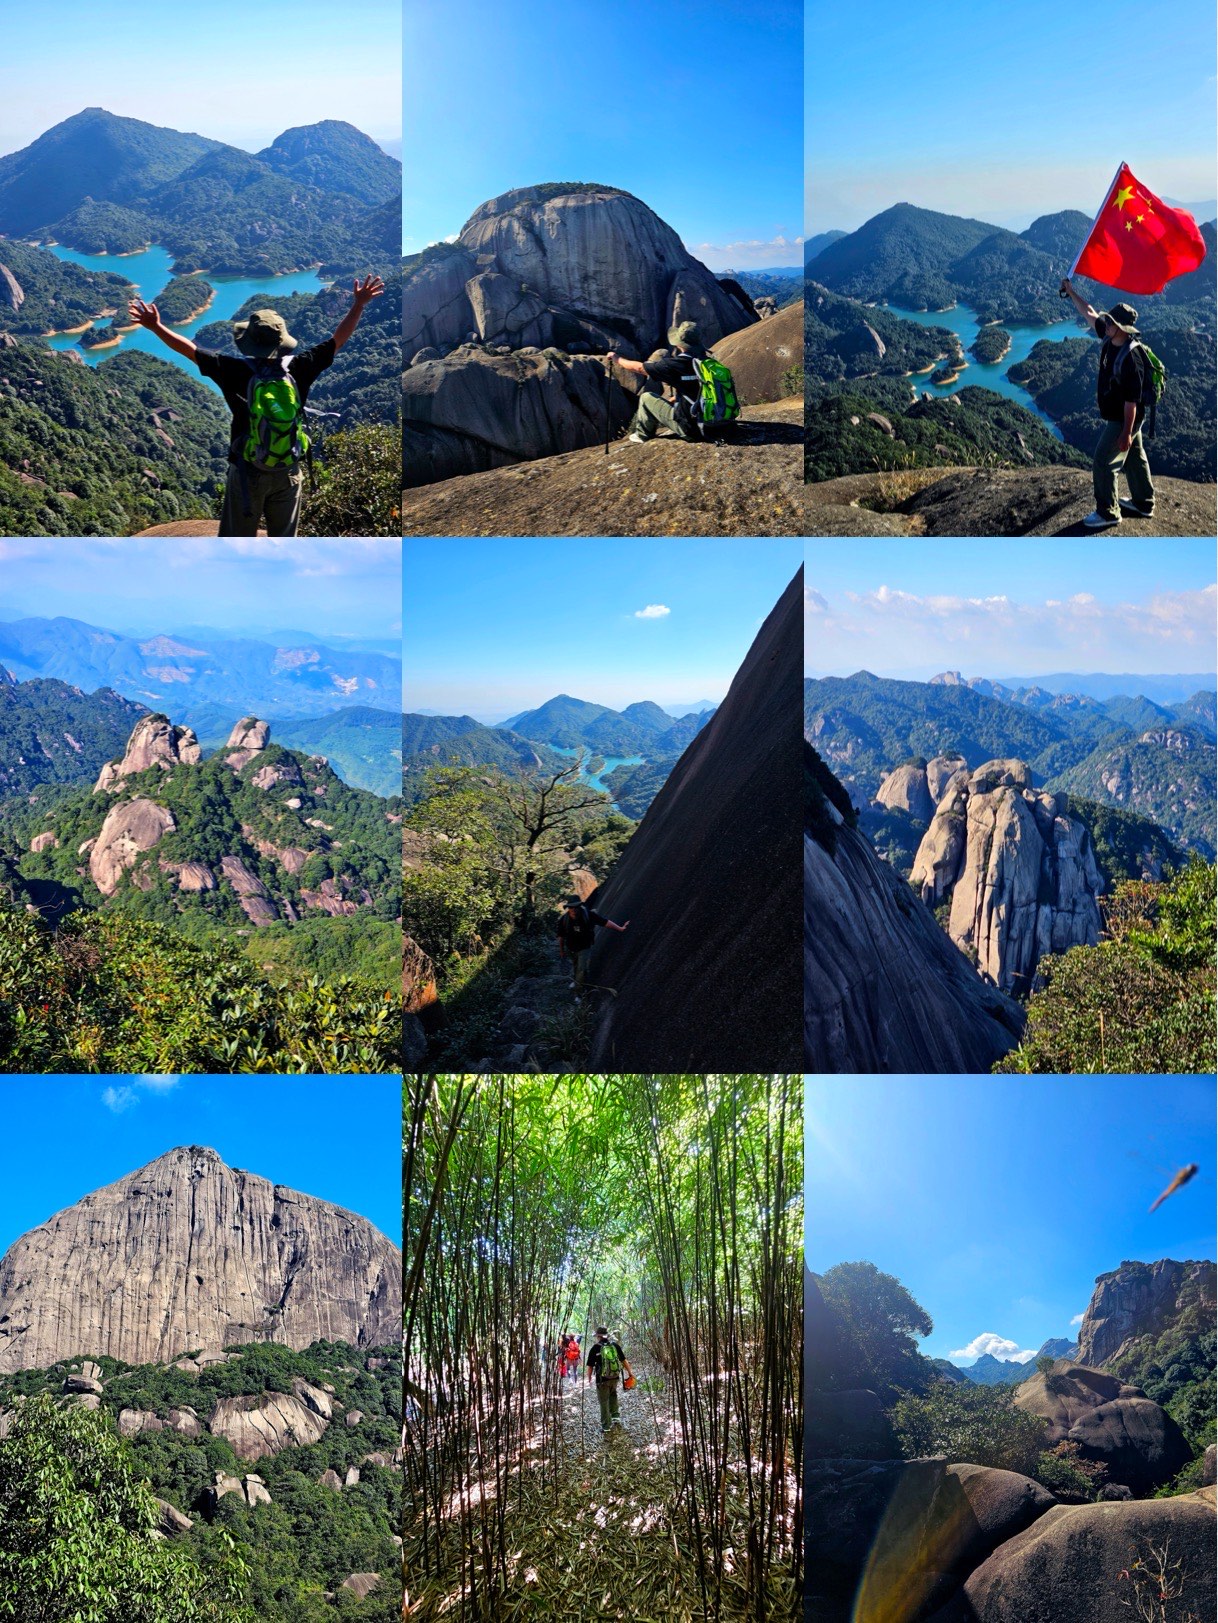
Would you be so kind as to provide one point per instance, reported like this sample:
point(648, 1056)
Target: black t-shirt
point(233, 377)
point(1121, 382)
point(579, 932)
point(594, 1357)
point(678, 374)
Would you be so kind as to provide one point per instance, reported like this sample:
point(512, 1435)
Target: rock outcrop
point(185, 1253)
point(766, 359)
point(251, 1488)
point(155, 741)
point(247, 739)
point(1141, 1299)
point(884, 989)
point(258, 1426)
point(130, 828)
point(499, 327)
point(1110, 1421)
point(708, 974)
point(11, 291)
point(906, 789)
point(1019, 871)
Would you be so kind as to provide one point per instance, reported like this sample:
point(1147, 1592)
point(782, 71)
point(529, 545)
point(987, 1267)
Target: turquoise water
point(150, 271)
point(964, 323)
point(595, 780)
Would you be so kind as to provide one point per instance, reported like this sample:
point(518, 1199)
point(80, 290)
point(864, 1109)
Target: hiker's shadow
point(767, 433)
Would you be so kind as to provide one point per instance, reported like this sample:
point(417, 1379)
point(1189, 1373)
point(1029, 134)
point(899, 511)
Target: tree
point(1044, 1365)
point(76, 1532)
point(880, 1320)
point(979, 1424)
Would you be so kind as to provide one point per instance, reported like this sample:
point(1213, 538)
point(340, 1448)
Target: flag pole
point(1096, 221)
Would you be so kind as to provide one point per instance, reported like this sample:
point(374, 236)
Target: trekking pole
point(608, 389)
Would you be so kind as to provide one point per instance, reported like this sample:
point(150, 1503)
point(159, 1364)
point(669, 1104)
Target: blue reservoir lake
point(964, 323)
point(595, 780)
point(151, 270)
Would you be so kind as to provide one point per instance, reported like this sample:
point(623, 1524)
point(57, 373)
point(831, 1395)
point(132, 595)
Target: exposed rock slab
point(247, 739)
point(1141, 1299)
point(761, 356)
point(185, 1253)
point(258, 1426)
point(154, 741)
point(130, 828)
point(907, 789)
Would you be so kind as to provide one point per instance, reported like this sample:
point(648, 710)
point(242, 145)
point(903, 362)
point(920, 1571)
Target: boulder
point(1209, 1466)
point(44, 842)
point(1075, 1563)
point(313, 1398)
point(256, 1426)
point(363, 1583)
point(762, 356)
point(284, 770)
point(352, 1476)
point(331, 1479)
point(1020, 873)
point(353, 1417)
point(906, 789)
point(130, 828)
point(247, 739)
point(12, 293)
point(171, 1520)
point(82, 1384)
point(940, 772)
point(252, 1489)
point(191, 876)
point(154, 741)
point(1112, 1423)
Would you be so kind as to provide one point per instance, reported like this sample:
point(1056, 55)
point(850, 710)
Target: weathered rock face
point(1069, 1563)
point(246, 740)
point(761, 355)
point(131, 827)
point(708, 973)
point(1141, 1299)
point(1111, 1422)
point(133, 1421)
point(249, 890)
point(186, 1253)
point(1020, 872)
point(11, 291)
point(884, 989)
point(155, 741)
point(251, 1488)
point(257, 1426)
point(45, 841)
point(907, 790)
point(940, 772)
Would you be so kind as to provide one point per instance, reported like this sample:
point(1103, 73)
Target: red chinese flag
point(1138, 244)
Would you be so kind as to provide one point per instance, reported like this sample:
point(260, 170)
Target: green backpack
point(1154, 379)
point(611, 1364)
point(276, 437)
point(717, 404)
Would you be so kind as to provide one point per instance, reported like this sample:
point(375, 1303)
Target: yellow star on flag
point(1129, 225)
point(1141, 217)
point(1123, 196)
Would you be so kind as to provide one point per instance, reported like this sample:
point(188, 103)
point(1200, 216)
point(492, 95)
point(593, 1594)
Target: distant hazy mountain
point(335, 157)
point(817, 244)
point(51, 732)
point(991, 1371)
point(363, 745)
point(643, 728)
point(1163, 689)
point(430, 740)
point(191, 678)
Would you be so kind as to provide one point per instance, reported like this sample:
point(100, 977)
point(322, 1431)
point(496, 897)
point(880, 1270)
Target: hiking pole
point(608, 389)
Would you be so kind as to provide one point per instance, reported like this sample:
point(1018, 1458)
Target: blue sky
point(238, 73)
point(511, 95)
point(337, 1140)
point(986, 609)
point(996, 1201)
point(493, 627)
point(141, 587)
point(977, 110)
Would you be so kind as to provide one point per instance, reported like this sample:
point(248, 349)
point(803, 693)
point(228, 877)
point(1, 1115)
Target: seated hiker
point(685, 373)
point(606, 1364)
point(576, 931)
point(266, 393)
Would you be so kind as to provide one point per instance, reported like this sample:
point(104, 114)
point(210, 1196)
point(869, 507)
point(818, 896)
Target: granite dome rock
point(1020, 872)
point(187, 1252)
point(155, 741)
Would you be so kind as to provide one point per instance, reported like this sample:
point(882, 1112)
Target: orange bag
point(628, 1383)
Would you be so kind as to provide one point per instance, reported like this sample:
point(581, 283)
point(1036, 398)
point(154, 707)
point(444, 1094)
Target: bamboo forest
point(658, 1221)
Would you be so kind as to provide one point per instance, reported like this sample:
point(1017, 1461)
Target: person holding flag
point(1138, 244)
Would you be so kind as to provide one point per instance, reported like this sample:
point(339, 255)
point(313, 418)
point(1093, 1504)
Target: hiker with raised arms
point(606, 1364)
point(266, 391)
point(576, 931)
point(703, 395)
point(1126, 386)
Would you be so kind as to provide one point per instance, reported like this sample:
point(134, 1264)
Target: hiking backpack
point(611, 1363)
point(276, 437)
point(1154, 380)
point(716, 405)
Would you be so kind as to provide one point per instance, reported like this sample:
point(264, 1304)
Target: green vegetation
point(76, 1532)
point(1169, 777)
point(784, 289)
point(358, 483)
point(669, 1210)
point(104, 228)
point(428, 741)
point(59, 296)
point(1140, 1002)
point(633, 788)
point(990, 344)
point(877, 1321)
point(979, 1424)
point(52, 733)
point(182, 299)
point(332, 156)
point(268, 1561)
point(840, 340)
point(79, 449)
point(105, 992)
point(1176, 1369)
point(1126, 846)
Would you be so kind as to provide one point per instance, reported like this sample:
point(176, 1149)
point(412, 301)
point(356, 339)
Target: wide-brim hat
point(1123, 316)
point(263, 336)
point(685, 333)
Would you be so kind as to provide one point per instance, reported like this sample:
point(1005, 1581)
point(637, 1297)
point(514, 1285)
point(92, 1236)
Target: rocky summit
point(188, 1253)
point(1142, 1299)
point(1019, 872)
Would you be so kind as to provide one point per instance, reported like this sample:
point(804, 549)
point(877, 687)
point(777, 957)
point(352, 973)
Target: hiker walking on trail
point(689, 373)
point(572, 1357)
point(266, 391)
point(576, 931)
point(606, 1363)
point(1126, 387)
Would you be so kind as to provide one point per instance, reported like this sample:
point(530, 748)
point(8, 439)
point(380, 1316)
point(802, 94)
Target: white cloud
point(997, 1347)
point(159, 1084)
point(1077, 1319)
point(119, 1099)
point(122, 1098)
point(653, 611)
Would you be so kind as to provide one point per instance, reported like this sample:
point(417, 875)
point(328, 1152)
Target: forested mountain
point(1167, 774)
point(53, 295)
point(429, 741)
point(362, 744)
point(204, 671)
point(333, 156)
point(639, 729)
point(51, 732)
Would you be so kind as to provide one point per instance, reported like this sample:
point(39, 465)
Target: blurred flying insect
point(1178, 1182)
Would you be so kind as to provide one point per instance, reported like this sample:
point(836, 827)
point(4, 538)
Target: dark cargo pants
point(274, 497)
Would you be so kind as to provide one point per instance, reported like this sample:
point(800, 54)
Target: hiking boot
point(1135, 510)
point(1100, 521)
point(639, 439)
